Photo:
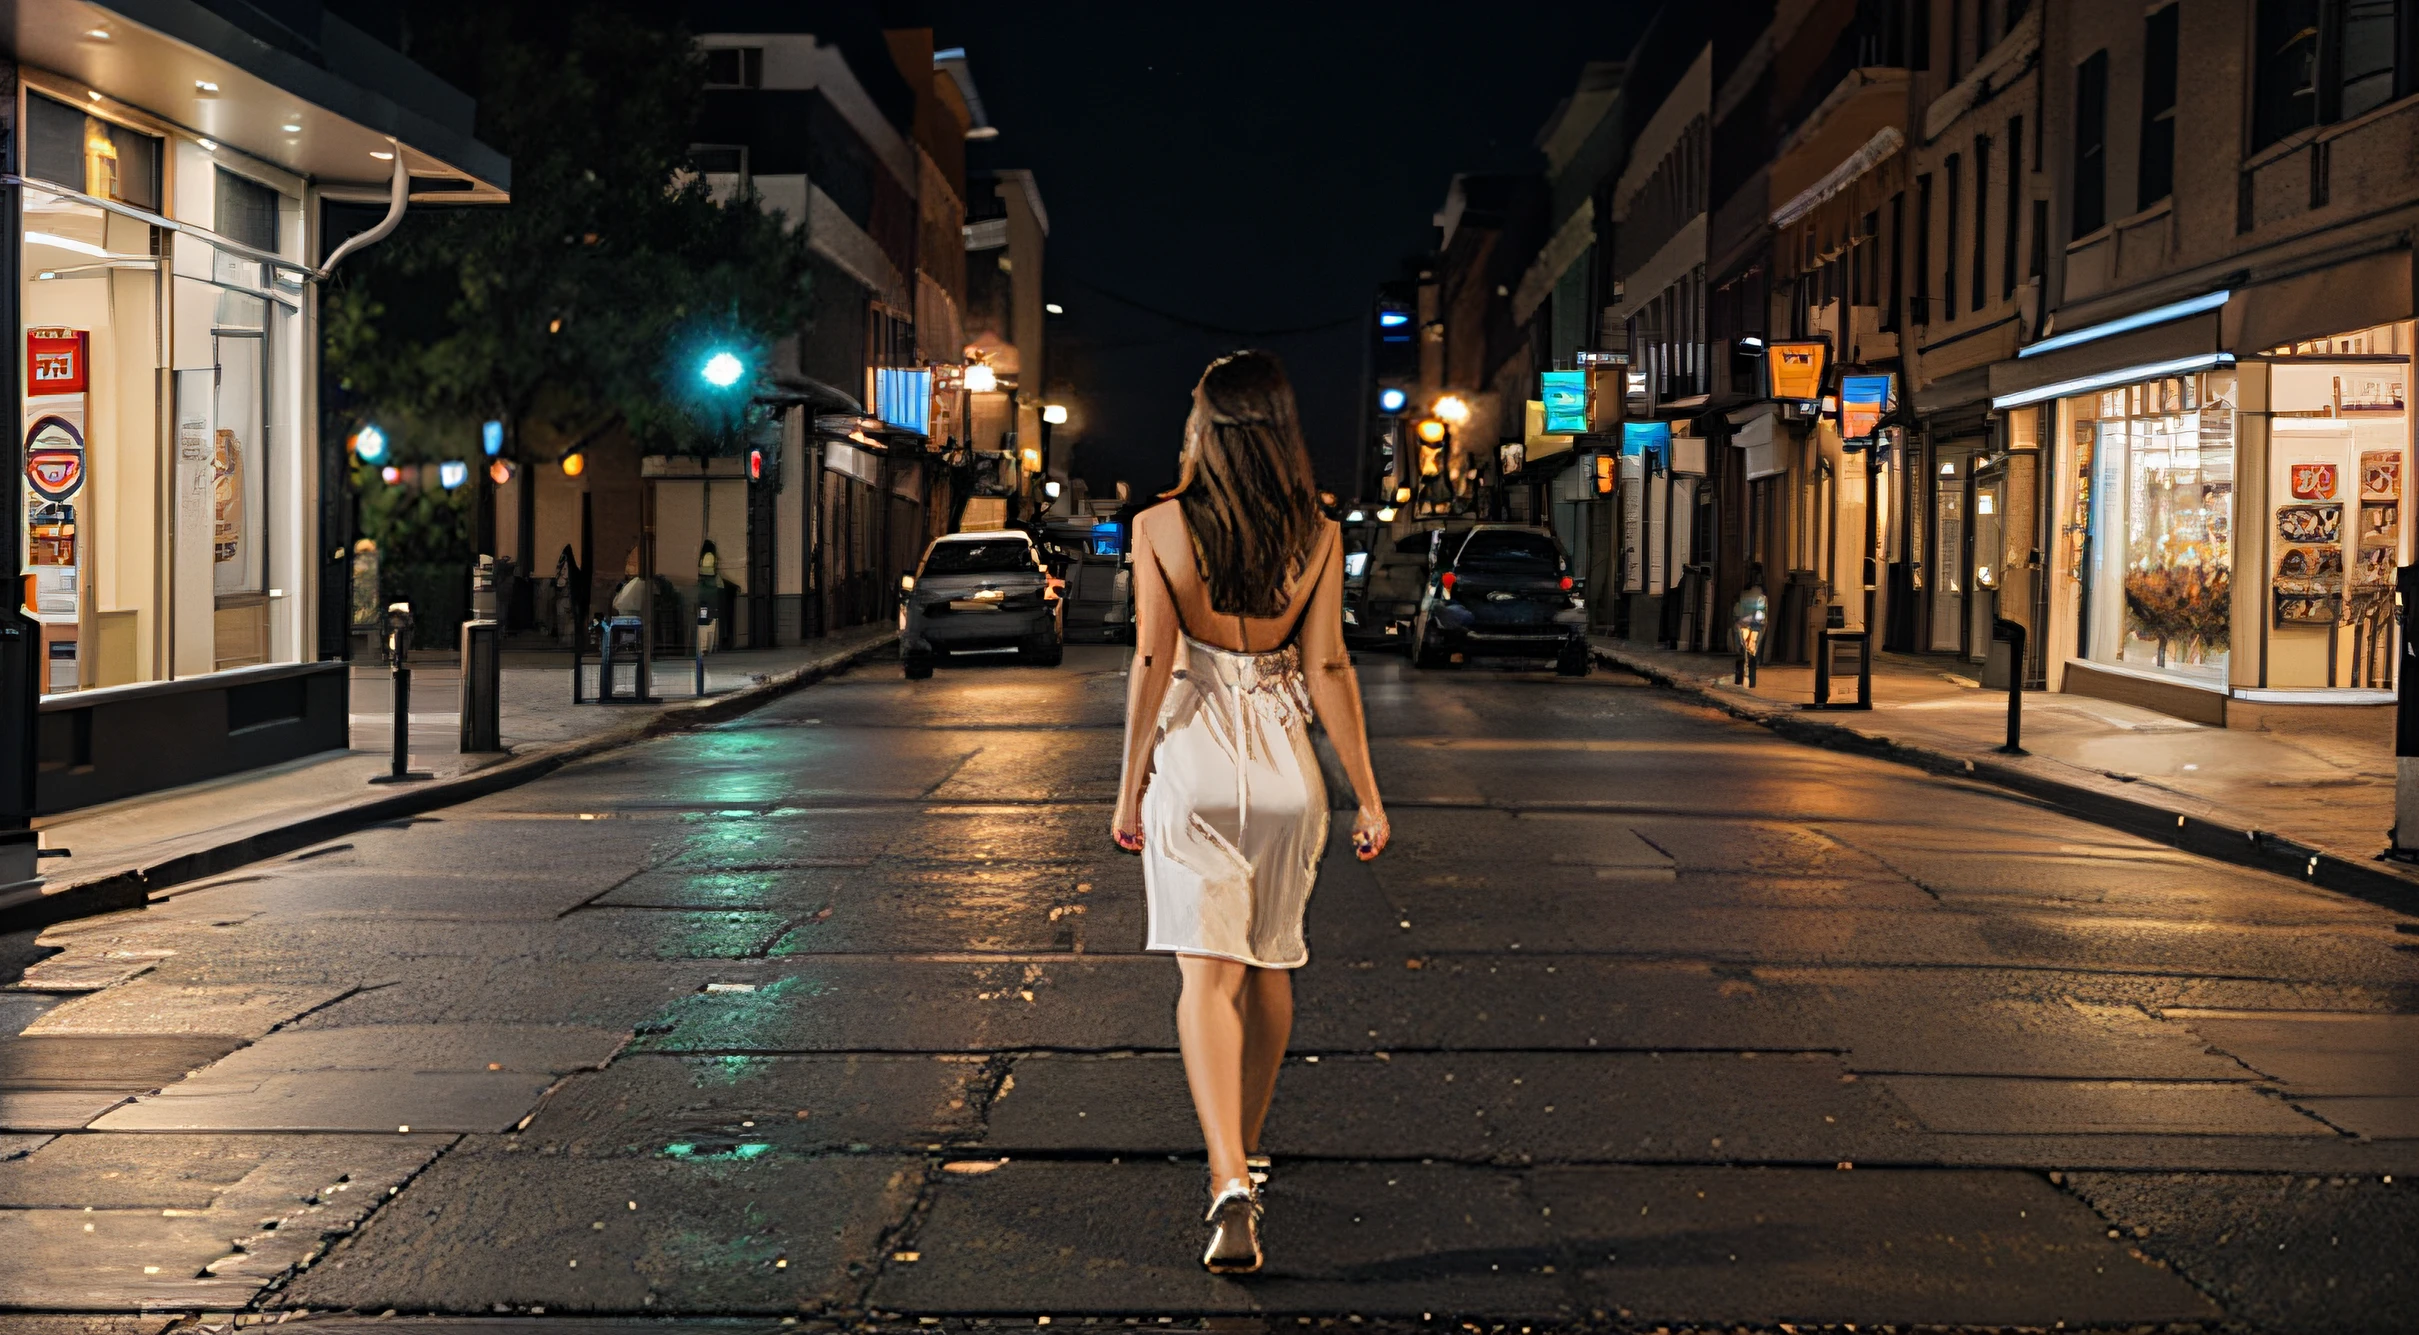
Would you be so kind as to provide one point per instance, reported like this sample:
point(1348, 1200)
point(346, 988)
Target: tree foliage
point(575, 308)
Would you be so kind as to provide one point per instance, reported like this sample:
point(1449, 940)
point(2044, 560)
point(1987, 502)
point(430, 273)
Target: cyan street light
point(722, 370)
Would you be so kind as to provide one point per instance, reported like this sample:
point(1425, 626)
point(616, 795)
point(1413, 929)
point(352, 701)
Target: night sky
point(1255, 167)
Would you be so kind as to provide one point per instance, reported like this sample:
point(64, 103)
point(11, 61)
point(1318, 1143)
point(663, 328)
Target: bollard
point(579, 649)
point(2013, 633)
point(604, 661)
point(705, 619)
point(398, 639)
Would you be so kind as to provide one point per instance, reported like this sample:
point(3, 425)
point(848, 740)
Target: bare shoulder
point(1160, 527)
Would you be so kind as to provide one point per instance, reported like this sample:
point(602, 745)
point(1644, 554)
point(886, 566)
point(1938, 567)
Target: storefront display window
point(153, 534)
point(2162, 526)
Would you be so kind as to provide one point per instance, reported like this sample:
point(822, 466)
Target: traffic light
point(722, 370)
point(1604, 475)
point(764, 465)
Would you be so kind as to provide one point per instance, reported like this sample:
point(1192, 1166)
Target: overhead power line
point(1207, 326)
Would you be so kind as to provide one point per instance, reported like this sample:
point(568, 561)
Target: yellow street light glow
point(1453, 409)
point(1054, 413)
point(574, 464)
point(1402, 495)
point(981, 379)
point(1385, 514)
point(1431, 430)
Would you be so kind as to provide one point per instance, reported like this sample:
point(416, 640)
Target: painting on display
point(2381, 475)
point(2309, 523)
point(2314, 482)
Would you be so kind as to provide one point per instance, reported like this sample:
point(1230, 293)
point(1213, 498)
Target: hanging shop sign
point(1565, 394)
point(55, 362)
point(1643, 438)
point(1863, 401)
point(1796, 368)
point(903, 397)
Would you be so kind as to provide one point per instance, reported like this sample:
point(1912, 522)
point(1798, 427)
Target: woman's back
point(1163, 537)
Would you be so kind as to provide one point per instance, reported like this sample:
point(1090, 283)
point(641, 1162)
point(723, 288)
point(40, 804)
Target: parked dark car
point(978, 591)
point(1500, 591)
point(1393, 577)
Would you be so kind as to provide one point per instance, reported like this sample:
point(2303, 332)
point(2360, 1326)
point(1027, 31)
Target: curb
point(2369, 879)
point(109, 891)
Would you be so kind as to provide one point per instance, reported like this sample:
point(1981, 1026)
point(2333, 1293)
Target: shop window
point(2155, 167)
point(245, 212)
point(2162, 530)
point(86, 153)
point(2091, 144)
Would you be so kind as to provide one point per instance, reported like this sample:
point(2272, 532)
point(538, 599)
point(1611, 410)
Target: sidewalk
point(121, 852)
point(2314, 805)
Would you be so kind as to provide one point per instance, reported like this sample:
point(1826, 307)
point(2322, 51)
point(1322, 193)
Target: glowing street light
point(574, 464)
point(1453, 409)
point(1054, 413)
point(722, 370)
point(1390, 400)
point(369, 444)
point(1431, 430)
point(980, 378)
point(452, 473)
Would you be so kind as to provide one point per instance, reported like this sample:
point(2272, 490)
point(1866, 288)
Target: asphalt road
point(837, 1010)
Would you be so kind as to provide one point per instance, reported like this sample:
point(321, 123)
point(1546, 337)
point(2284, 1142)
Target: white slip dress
point(1235, 818)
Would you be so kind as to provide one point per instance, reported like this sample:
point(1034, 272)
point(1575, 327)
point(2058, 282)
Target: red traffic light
point(755, 465)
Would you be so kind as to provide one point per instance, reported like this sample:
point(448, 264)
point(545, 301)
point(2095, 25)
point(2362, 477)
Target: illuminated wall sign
point(1796, 368)
point(1565, 394)
point(1645, 438)
point(903, 397)
point(1863, 400)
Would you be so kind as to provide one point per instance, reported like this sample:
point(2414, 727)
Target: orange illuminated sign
point(1796, 368)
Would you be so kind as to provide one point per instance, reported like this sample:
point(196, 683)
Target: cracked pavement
point(836, 1012)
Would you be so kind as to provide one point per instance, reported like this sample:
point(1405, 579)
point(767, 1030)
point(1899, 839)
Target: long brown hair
point(1246, 486)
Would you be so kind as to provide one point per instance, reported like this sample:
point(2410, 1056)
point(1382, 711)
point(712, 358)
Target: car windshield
point(1511, 549)
point(995, 557)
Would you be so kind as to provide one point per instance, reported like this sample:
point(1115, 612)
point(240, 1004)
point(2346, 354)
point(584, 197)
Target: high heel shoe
point(1234, 1220)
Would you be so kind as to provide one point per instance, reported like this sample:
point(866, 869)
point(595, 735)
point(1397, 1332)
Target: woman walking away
point(1238, 595)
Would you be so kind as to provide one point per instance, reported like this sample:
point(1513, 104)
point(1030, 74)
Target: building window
point(245, 212)
point(1898, 257)
point(2316, 62)
point(2015, 205)
point(91, 155)
point(1923, 249)
point(2091, 144)
point(2374, 41)
point(1982, 215)
point(2040, 251)
point(2155, 179)
point(1954, 170)
point(2162, 524)
point(735, 67)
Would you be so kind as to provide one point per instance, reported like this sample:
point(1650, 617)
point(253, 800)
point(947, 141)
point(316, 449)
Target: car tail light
point(1448, 580)
point(1566, 584)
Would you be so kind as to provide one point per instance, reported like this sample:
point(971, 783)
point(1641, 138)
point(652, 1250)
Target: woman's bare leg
point(1267, 1025)
point(1209, 1027)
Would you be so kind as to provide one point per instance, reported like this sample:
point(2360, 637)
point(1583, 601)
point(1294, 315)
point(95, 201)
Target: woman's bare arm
point(1155, 631)
point(1335, 692)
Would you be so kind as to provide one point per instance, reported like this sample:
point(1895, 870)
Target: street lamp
point(1453, 409)
point(1054, 413)
point(980, 378)
point(1390, 400)
point(722, 370)
point(369, 444)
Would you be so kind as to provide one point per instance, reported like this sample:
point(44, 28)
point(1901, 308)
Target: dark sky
point(1255, 166)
